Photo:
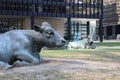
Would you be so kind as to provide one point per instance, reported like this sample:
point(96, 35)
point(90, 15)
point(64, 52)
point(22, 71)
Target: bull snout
point(61, 43)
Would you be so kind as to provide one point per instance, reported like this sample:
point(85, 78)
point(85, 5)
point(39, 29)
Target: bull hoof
point(43, 60)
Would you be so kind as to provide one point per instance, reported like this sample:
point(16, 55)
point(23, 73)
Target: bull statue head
point(50, 36)
point(90, 43)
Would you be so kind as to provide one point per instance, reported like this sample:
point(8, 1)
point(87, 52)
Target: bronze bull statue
point(22, 47)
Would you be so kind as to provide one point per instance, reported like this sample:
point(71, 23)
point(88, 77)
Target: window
point(80, 10)
point(7, 24)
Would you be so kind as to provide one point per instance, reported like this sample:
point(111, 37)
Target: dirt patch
point(64, 69)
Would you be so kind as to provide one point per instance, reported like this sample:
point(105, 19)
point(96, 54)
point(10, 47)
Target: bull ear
point(37, 28)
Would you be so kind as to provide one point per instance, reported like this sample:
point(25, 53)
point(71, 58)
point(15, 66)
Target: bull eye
point(50, 33)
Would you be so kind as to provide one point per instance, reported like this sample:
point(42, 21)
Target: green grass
point(110, 44)
point(105, 53)
point(105, 57)
point(83, 54)
point(98, 54)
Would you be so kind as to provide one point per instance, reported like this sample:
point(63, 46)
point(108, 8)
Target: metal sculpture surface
point(22, 47)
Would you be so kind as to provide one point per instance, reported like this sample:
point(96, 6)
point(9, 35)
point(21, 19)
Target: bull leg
point(21, 63)
point(42, 60)
point(25, 59)
point(4, 65)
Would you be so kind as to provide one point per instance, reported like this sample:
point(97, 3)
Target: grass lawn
point(109, 44)
point(107, 55)
point(98, 54)
point(102, 63)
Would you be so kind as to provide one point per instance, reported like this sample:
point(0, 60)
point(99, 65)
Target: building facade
point(71, 18)
point(111, 19)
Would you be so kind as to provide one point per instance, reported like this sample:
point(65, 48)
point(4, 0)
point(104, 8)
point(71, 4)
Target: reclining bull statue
point(85, 43)
point(22, 47)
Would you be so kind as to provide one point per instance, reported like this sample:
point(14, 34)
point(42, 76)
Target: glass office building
point(111, 20)
point(65, 15)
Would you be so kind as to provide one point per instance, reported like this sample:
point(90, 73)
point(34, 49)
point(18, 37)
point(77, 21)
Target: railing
point(31, 8)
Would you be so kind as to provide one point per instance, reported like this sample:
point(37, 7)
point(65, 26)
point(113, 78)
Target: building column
point(101, 31)
point(69, 28)
point(33, 17)
point(32, 21)
point(101, 23)
point(88, 28)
